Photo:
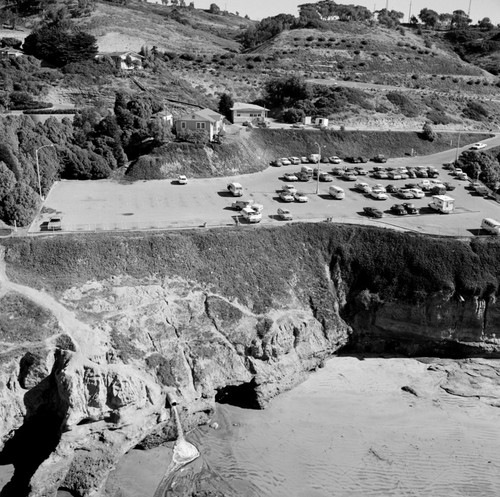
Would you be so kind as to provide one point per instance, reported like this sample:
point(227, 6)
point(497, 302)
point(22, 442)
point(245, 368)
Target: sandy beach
point(349, 430)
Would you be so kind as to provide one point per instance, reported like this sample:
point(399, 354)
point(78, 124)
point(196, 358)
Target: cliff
point(97, 329)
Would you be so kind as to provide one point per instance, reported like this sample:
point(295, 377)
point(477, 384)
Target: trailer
point(442, 203)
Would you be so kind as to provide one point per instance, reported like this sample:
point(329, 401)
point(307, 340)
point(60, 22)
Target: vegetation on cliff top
point(260, 267)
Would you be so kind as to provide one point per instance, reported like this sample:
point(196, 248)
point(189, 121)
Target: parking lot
point(164, 204)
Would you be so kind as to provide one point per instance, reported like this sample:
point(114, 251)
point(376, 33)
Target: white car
point(290, 177)
point(301, 197)
point(285, 214)
point(362, 187)
point(417, 192)
point(289, 188)
point(251, 215)
point(294, 160)
point(182, 180)
point(54, 224)
point(478, 146)
point(379, 187)
point(286, 197)
point(285, 161)
point(334, 159)
point(378, 195)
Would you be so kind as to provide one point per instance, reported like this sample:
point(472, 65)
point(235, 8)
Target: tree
point(460, 20)
point(293, 115)
point(225, 104)
point(413, 21)
point(429, 17)
point(20, 206)
point(485, 24)
point(389, 18)
point(7, 180)
point(428, 133)
point(286, 91)
point(214, 9)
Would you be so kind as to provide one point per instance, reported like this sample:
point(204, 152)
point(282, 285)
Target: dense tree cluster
point(484, 166)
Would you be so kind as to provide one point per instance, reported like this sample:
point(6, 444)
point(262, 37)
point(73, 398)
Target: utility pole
point(409, 14)
point(386, 4)
point(318, 168)
point(468, 12)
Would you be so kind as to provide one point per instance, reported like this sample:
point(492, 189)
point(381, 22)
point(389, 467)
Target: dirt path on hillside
point(88, 341)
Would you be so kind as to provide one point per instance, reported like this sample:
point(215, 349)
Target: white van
point(336, 192)
point(491, 225)
point(236, 189)
point(306, 169)
point(251, 215)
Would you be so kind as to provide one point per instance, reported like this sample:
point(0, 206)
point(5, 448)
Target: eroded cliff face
point(120, 345)
point(97, 330)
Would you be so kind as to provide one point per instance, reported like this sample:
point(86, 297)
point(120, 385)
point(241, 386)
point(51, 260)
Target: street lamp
point(458, 144)
point(38, 168)
point(318, 171)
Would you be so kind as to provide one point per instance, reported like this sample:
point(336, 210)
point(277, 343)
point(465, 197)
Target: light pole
point(458, 146)
point(38, 168)
point(318, 171)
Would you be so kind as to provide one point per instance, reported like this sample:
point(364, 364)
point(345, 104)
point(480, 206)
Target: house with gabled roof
point(243, 112)
point(10, 52)
point(124, 60)
point(200, 120)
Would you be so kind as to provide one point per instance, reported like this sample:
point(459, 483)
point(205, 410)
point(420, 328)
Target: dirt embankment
point(230, 315)
point(246, 151)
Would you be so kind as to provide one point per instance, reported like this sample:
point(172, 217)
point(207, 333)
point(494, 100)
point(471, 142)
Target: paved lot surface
point(160, 204)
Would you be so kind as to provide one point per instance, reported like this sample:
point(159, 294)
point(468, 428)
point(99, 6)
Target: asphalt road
point(163, 204)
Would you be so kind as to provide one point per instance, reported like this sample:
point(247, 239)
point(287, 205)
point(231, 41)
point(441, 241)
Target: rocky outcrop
point(92, 350)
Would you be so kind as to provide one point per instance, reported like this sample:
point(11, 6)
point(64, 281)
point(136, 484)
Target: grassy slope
point(395, 265)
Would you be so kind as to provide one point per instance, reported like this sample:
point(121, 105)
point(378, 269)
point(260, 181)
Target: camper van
point(491, 226)
point(236, 189)
point(307, 170)
point(336, 192)
point(442, 203)
point(251, 215)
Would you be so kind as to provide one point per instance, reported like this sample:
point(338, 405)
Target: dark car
point(449, 187)
point(411, 185)
point(353, 160)
point(391, 189)
point(373, 212)
point(379, 158)
point(398, 209)
point(421, 173)
point(362, 159)
point(411, 209)
point(438, 190)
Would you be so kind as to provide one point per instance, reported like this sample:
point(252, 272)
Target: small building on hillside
point(243, 112)
point(10, 52)
point(123, 60)
point(200, 120)
point(321, 121)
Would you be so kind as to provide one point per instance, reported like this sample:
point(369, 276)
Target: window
point(238, 115)
point(200, 125)
point(183, 125)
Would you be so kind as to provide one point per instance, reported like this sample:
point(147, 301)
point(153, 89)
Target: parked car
point(391, 189)
point(421, 173)
point(449, 187)
point(294, 160)
point(362, 187)
point(353, 160)
point(241, 204)
point(338, 170)
point(349, 176)
point(417, 192)
point(276, 163)
point(325, 177)
point(360, 171)
point(334, 159)
point(251, 215)
point(432, 172)
point(380, 158)
point(405, 193)
point(54, 224)
point(398, 209)
point(303, 176)
point(285, 161)
point(455, 171)
point(301, 197)
point(411, 173)
point(182, 180)
point(325, 160)
point(410, 208)
point(290, 177)
point(289, 188)
point(297, 125)
point(478, 146)
point(378, 195)
point(380, 175)
point(284, 214)
point(304, 160)
point(379, 187)
point(286, 196)
point(462, 176)
point(235, 189)
point(363, 159)
point(373, 212)
point(394, 175)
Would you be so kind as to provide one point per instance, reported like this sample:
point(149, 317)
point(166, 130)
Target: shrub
point(292, 115)
point(475, 111)
point(19, 206)
point(428, 133)
point(406, 106)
